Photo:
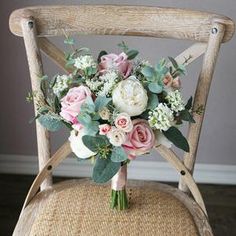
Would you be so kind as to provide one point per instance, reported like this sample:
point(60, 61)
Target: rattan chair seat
point(79, 207)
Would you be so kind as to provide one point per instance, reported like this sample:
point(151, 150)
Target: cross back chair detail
point(208, 31)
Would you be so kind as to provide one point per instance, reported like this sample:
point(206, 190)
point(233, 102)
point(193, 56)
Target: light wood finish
point(191, 54)
point(53, 53)
point(51, 164)
point(86, 204)
point(201, 95)
point(36, 72)
point(122, 20)
point(172, 158)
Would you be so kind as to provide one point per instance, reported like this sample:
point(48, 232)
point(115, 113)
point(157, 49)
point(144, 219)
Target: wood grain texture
point(172, 158)
point(201, 95)
point(53, 52)
point(122, 20)
point(36, 72)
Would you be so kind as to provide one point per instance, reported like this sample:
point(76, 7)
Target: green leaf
point(92, 128)
point(69, 41)
point(57, 104)
point(176, 137)
point(102, 53)
point(155, 87)
point(100, 102)
point(84, 118)
point(188, 106)
point(88, 106)
point(187, 116)
point(118, 154)
point(91, 142)
point(148, 71)
point(174, 62)
point(123, 46)
point(50, 122)
point(104, 170)
point(132, 54)
point(152, 101)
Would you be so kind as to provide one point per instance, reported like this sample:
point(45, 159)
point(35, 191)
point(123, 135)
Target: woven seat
point(79, 207)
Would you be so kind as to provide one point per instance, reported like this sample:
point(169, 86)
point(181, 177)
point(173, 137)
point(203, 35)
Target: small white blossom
point(116, 136)
point(175, 100)
point(105, 113)
point(83, 62)
point(93, 84)
point(109, 81)
point(61, 84)
point(161, 117)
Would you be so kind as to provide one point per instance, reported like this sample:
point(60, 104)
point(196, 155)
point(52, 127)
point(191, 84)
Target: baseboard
point(146, 170)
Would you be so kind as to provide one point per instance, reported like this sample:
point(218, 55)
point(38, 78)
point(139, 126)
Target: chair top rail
point(121, 20)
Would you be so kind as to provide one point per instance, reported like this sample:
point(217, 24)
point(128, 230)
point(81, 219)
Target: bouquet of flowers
point(117, 107)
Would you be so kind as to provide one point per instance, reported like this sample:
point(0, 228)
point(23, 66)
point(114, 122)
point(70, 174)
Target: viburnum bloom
point(140, 140)
point(71, 103)
point(129, 96)
point(124, 122)
point(84, 62)
point(77, 145)
point(116, 62)
point(161, 117)
point(104, 129)
point(175, 100)
point(116, 136)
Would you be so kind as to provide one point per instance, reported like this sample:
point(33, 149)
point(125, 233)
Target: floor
point(220, 201)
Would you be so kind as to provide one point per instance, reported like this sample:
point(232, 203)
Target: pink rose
point(176, 84)
point(140, 140)
point(104, 129)
point(72, 102)
point(124, 122)
point(118, 62)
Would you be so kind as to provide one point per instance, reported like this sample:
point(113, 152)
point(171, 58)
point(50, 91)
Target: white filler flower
point(83, 62)
point(77, 145)
point(61, 84)
point(161, 117)
point(175, 100)
point(129, 96)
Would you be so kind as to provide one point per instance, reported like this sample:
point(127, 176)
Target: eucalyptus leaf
point(132, 54)
point(155, 87)
point(174, 62)
point(104, 170)
point(84, 118)
point(118, 154)
point(176, 137)
point(69, 41)
point(88, 105)
point(94, 143)
point(92, 128)
point(148, 71)
point(152, 101)
point(50, 122)
point(100, 102)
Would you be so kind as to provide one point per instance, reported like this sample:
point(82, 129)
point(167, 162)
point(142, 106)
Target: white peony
point(129, 96)
point(77, 145)
point(116, 136)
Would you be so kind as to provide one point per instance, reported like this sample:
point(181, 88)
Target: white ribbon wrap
point(119, 180)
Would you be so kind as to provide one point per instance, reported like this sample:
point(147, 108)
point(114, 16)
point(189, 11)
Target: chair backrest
point(206, 29)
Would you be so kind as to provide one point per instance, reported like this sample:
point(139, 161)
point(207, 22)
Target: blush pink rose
point(72, 102)
point(140, 140)
point(170, 82)
point(176, 84)
point(119, 62)
point(124, 122)
point(104, 129)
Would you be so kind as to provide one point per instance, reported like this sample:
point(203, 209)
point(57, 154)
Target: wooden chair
point(79, 207)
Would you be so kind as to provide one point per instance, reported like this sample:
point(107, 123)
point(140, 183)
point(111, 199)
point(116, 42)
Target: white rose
point(116, 136)
point(77, 145)
point(104, 113)
point(123, 122)
point(129, 96)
